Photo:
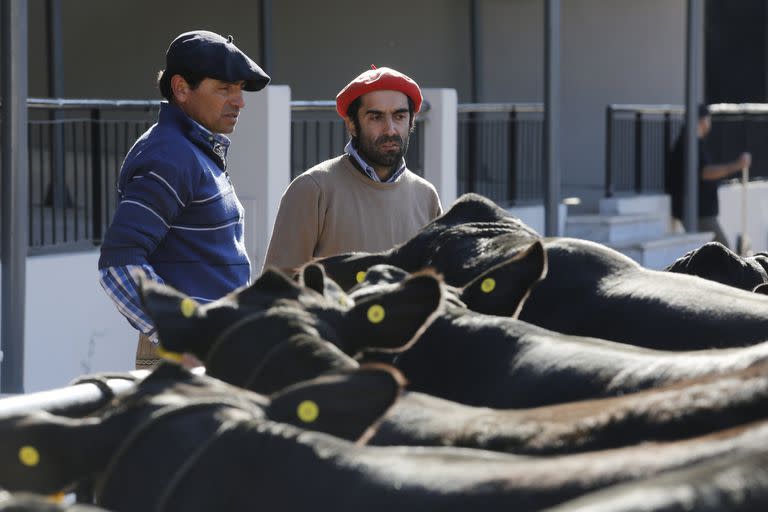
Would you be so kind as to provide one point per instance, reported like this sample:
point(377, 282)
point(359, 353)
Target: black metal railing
point(639, 139)
point(318, 133)
point(500, 151)
point(76, 148)
point(737, 128)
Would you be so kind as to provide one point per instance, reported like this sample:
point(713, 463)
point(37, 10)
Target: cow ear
point(312, 276)
point(348, 405)
point(393, 319)
point(503, 289)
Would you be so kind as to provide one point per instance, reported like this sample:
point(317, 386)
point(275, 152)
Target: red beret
point(378, 79)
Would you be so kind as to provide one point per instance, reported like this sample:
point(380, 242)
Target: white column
point(440, 152)
point(259, 164)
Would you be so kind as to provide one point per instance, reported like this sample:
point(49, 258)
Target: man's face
point(214, 104)
point(384, 124)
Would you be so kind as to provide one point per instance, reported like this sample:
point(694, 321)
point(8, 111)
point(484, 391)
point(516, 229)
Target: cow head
point(389, 321)
point(716, 262)
point(500, 290)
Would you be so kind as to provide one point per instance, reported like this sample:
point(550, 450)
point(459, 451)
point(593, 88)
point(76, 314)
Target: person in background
point(365, 199)
point(178, 218)
point(710, 176)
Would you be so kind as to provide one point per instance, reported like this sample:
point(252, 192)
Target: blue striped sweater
point(178, 211)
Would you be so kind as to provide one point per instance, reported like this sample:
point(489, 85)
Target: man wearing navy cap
point(178, 218)
point(366, 199)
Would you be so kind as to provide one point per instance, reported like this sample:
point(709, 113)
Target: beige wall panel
point(114, 49)
point(320, 46)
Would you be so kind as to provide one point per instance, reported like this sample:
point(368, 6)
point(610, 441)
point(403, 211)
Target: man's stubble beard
point(368, 149)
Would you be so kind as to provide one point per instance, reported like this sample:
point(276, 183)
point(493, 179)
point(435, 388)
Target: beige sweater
point(333, 208)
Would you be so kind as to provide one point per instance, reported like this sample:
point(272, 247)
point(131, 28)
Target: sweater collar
point(215, 145)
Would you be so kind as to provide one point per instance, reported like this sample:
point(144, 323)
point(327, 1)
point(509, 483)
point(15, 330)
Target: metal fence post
point(609, 151)
point(512, 155)
point(97, 182)
point(15, 183)
point(638, 152)
point(667, 146)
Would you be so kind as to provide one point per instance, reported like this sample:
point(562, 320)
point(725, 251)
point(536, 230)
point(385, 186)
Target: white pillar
point(440, 152)
point(259, 164)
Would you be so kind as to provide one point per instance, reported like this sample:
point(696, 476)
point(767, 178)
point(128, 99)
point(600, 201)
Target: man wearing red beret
point(366, 199)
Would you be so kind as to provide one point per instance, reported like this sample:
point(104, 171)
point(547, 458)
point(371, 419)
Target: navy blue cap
point(213, 56)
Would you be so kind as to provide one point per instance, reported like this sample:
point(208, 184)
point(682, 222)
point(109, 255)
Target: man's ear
point(503, 289)
point(350, 124)
point(180, 88)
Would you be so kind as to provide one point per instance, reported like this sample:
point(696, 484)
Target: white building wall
point(71, 327)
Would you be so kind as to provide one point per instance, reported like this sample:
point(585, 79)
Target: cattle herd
point(478, 366)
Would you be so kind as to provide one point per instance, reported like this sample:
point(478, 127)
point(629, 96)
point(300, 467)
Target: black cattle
point(273, 349)
point(716, 262)
point(196, 455)
point(389, 321)
point(462, 356)
point(514, 364)
point(671, 412)
point(589, 290)
point(47, 453)
point(735, 483)
point(264, 465)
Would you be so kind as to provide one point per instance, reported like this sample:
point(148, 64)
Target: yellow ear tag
point(488, 285)
point(188, 307)
point(308, 411)
point(29, 456)
point(343, 300)
point(375, 314)
point(166, 354)
point(360, 276)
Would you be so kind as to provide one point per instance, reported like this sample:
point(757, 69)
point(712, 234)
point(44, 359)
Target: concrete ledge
point(615, 228)
point(659, 253)
point(657, 204)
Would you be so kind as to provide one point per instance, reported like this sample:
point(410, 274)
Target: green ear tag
point(188, 307)
point(488, 285)
point(360, 276)
point(308, 411)
point(376, 314)
point(29, 456)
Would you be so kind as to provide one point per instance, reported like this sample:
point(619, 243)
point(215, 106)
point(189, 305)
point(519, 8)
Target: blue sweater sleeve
point(151, 197)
